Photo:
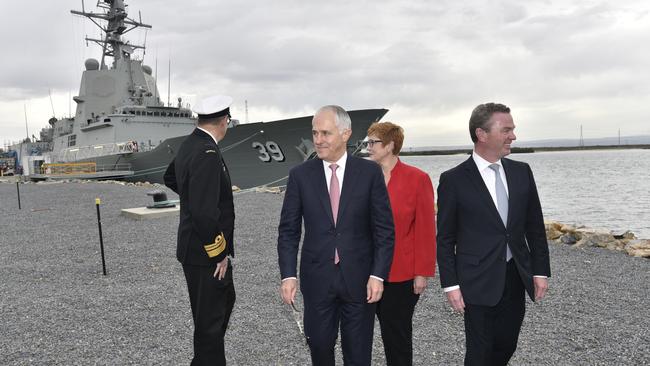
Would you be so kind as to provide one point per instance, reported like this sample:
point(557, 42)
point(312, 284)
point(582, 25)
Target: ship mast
point(118, 23)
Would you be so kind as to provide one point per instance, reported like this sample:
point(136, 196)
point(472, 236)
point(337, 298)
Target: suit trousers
point(212, 301)
point(492, 332)
point(395, 313)
point(356, 319)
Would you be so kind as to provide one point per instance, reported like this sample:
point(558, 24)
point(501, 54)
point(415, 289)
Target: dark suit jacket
point(364, 233)
point(472, 237)
point(200, 177)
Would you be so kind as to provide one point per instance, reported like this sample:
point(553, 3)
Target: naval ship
point(122, 130)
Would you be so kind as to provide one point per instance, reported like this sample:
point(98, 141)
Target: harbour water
point(604, 189)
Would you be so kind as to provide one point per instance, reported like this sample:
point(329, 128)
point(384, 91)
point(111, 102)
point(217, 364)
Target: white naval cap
point(213, 106)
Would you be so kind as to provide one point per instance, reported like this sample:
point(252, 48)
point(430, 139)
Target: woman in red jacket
point(411, 199)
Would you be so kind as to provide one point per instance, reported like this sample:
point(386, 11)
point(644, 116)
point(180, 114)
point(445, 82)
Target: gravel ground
point(57, 308)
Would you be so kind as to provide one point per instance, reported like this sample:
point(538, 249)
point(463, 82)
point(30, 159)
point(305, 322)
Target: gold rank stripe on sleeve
point(216, 248)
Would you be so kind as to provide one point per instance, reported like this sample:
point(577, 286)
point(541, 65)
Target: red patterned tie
point(335, 194)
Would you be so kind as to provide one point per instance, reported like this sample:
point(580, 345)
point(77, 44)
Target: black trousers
point(356, 319)
point(395, 313)
point(212, 302)
point(492, 332)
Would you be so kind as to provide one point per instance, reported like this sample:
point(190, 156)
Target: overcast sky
point(557, 64)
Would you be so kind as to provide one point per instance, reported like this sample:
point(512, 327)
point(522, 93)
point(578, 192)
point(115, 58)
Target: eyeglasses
point(369, 143)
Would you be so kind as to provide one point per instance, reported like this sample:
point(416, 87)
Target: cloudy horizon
point(558, 64)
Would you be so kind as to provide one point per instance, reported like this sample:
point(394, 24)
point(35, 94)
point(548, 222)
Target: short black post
point(18, 191)
point(101, 239)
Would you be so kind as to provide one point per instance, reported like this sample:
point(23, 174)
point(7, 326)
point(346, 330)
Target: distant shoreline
point(519, 150)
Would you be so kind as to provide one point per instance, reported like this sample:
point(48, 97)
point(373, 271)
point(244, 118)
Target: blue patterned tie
point(502, 201)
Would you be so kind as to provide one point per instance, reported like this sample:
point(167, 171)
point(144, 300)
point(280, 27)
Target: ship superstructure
point(119, 109)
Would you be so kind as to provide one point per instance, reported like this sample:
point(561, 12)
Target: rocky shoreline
point(626, 242)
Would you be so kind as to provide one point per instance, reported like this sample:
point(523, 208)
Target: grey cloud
point(290, 56)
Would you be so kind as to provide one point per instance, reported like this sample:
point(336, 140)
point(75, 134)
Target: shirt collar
point(481, 163)
point(209, 134)
point(341, 162)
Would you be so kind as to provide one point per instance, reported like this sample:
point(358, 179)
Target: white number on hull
point(269, 151)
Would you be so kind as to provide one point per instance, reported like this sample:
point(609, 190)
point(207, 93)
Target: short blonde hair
point(387, 132)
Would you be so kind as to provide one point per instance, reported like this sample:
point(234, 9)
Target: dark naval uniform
point(205, 237)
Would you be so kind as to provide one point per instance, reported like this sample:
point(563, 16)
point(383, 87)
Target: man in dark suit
point(205, 232)
point(491, 240)
point(348, 243)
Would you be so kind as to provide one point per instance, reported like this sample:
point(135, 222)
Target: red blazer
point(411, 199)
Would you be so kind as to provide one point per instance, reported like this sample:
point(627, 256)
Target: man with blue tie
point(348, 242)
point(492, 244)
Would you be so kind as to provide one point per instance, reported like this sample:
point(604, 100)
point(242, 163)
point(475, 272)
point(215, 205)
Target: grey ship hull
point(257, 154)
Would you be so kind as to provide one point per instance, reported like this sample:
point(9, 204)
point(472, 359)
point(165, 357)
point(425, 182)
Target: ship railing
point(68, 168)
point(81, 168)
point(92, 151)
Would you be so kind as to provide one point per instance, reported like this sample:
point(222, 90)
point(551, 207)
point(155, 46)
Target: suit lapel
point(320, 183)
point(478, 183)
point(349, 180)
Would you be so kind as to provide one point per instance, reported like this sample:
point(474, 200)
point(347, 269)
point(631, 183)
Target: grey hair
point(341, 117)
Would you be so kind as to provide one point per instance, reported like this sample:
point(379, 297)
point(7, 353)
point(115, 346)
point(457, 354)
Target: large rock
point(638, 248)
point(568, 238)
point(554, 224)
point(553, 230)
point(553, 234)
point(625, 236)
point(595, 239)
point(568, 229)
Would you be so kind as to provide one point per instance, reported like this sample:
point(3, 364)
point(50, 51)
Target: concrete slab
point(143, 213)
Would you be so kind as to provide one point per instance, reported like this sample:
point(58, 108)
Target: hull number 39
point(268, 151)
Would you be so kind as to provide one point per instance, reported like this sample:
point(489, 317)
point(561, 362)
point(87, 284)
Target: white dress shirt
point(489, 175)
point(339, 171)
point(489, 178)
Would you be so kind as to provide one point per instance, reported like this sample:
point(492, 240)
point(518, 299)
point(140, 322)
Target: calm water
point(608, 189)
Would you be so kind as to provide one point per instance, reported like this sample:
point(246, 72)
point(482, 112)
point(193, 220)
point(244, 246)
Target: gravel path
point(57, 309)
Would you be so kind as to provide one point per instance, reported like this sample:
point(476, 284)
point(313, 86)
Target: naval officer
point(205, 232)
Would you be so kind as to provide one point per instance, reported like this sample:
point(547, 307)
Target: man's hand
point(222, 267)
point(455, 299)
point(419, 284)
point(374, 288)
point(541, 286)
point(288, 290)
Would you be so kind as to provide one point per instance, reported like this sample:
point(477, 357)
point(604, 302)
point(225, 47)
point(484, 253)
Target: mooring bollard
point(18, 192)
point(101, 239)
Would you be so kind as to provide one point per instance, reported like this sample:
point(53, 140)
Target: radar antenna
point(118, 23)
